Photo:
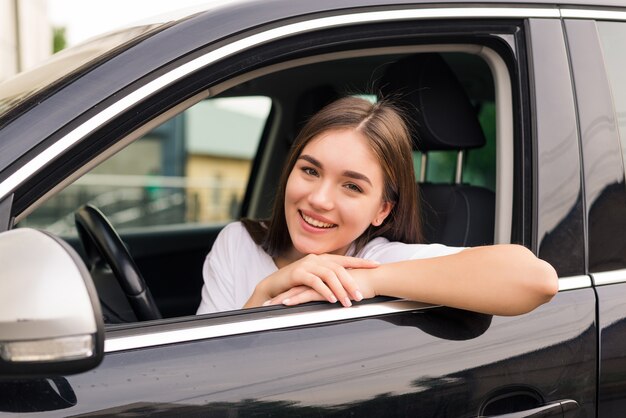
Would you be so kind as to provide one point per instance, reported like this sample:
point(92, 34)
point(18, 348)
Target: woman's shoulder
point(235, 233)
point(385, 251)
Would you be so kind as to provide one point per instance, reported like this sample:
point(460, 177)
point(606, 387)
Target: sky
point(84, 19)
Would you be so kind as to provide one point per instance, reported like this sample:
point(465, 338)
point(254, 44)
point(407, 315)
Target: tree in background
point(58, 39)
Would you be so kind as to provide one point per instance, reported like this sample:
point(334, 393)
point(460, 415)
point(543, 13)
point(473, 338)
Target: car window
point(613, 37)
point(193, 168)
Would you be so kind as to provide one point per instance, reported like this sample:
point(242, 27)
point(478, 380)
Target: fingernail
point(267, 302)
point(375, 262)
point(286, 301)
point(333, 299)
point(346, 302)
point(359, 296)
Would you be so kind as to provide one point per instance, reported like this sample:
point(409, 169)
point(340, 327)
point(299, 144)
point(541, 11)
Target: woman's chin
point(305, 248)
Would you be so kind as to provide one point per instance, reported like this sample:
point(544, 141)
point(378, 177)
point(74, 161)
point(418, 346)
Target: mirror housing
point(50, 317)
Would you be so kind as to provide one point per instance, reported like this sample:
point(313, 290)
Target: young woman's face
point(333, 194)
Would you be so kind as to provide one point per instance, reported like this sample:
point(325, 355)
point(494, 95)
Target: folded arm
point(497, 279)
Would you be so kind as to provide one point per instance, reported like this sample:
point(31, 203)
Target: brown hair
point(389, 139)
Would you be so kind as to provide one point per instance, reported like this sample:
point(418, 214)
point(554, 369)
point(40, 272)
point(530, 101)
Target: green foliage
point(58, 39)
point(480, 164)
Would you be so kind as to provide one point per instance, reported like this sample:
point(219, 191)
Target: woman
point(345, 227)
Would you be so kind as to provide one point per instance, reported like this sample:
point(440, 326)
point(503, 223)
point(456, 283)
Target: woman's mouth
point(314, 222)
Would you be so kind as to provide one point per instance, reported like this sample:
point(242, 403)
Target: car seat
point(441, 117)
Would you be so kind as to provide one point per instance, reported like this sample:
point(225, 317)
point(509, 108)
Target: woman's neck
point(292, 255)
point(288, 257)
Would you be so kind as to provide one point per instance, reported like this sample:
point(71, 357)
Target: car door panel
point(612, 325)
point(605, 202)
point(427, 362)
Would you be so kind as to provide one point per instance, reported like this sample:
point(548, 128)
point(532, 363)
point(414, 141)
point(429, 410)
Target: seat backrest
point(441, 117)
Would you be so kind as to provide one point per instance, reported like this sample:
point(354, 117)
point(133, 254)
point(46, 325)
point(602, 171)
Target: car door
point(382, 357)
point(600, 92)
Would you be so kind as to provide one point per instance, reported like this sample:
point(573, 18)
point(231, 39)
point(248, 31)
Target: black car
point(173, 129)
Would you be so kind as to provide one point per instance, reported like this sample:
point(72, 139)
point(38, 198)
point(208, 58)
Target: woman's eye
point(310, 171)
point(354, 187)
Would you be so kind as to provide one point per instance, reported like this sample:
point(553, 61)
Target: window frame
point(267, 318)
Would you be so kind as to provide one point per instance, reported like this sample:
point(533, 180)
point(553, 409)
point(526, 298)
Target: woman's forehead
point(347, 149)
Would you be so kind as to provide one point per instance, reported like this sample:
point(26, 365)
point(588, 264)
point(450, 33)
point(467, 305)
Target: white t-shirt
point(236, 264)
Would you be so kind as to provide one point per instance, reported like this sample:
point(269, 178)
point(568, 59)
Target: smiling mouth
point(315, 222)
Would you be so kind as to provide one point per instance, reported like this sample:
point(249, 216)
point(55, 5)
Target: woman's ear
point(385, 210)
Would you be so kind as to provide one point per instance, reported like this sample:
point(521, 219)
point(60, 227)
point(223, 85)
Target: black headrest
point(439, 112)
point(309, 103)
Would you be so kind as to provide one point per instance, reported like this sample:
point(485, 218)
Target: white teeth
point(315, 222)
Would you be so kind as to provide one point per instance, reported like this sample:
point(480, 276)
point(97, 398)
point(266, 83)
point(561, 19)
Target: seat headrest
point(440, 115)
point(309, 103)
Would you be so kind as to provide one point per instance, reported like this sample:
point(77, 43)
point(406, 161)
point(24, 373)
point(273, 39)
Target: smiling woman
point(345, 227)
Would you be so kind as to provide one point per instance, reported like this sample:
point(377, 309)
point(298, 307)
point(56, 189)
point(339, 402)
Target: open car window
point(169, 192)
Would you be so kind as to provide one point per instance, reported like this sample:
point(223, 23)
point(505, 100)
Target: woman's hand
point(327, 275)
point(303, 294)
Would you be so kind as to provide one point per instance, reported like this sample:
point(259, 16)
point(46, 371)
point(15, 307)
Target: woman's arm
point(497, 280)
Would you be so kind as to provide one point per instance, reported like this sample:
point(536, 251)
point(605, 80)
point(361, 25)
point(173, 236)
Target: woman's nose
point(321, 196)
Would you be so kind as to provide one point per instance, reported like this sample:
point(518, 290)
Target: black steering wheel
point(103, 244)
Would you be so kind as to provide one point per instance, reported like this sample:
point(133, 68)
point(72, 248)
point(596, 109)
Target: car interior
point(167, 190)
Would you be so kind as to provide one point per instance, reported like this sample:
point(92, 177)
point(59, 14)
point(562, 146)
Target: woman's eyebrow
point(310, 159)
point(357, 176)
point(348, 173)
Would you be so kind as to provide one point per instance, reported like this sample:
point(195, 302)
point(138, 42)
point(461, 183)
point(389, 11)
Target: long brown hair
point(382, 124)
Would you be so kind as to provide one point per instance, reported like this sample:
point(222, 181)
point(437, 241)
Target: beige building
point(25, 35)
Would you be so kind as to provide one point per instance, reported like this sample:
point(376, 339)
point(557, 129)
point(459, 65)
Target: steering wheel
point(103, 244)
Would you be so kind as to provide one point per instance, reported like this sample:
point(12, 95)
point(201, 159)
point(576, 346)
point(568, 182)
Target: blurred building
point(25, 35)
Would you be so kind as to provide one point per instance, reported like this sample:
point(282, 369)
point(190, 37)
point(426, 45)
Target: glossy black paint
point(604, 173)
point(394, 365)
point(557, 180)
point(612, 325)
point(605, 201)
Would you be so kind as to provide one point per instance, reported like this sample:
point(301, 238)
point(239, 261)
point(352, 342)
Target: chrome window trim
point(574, 282)
point(592, 14)
point(193, 331)
point(609, 277)
point(56, 149)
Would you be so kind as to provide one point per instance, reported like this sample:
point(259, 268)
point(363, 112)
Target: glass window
point(194, 168)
